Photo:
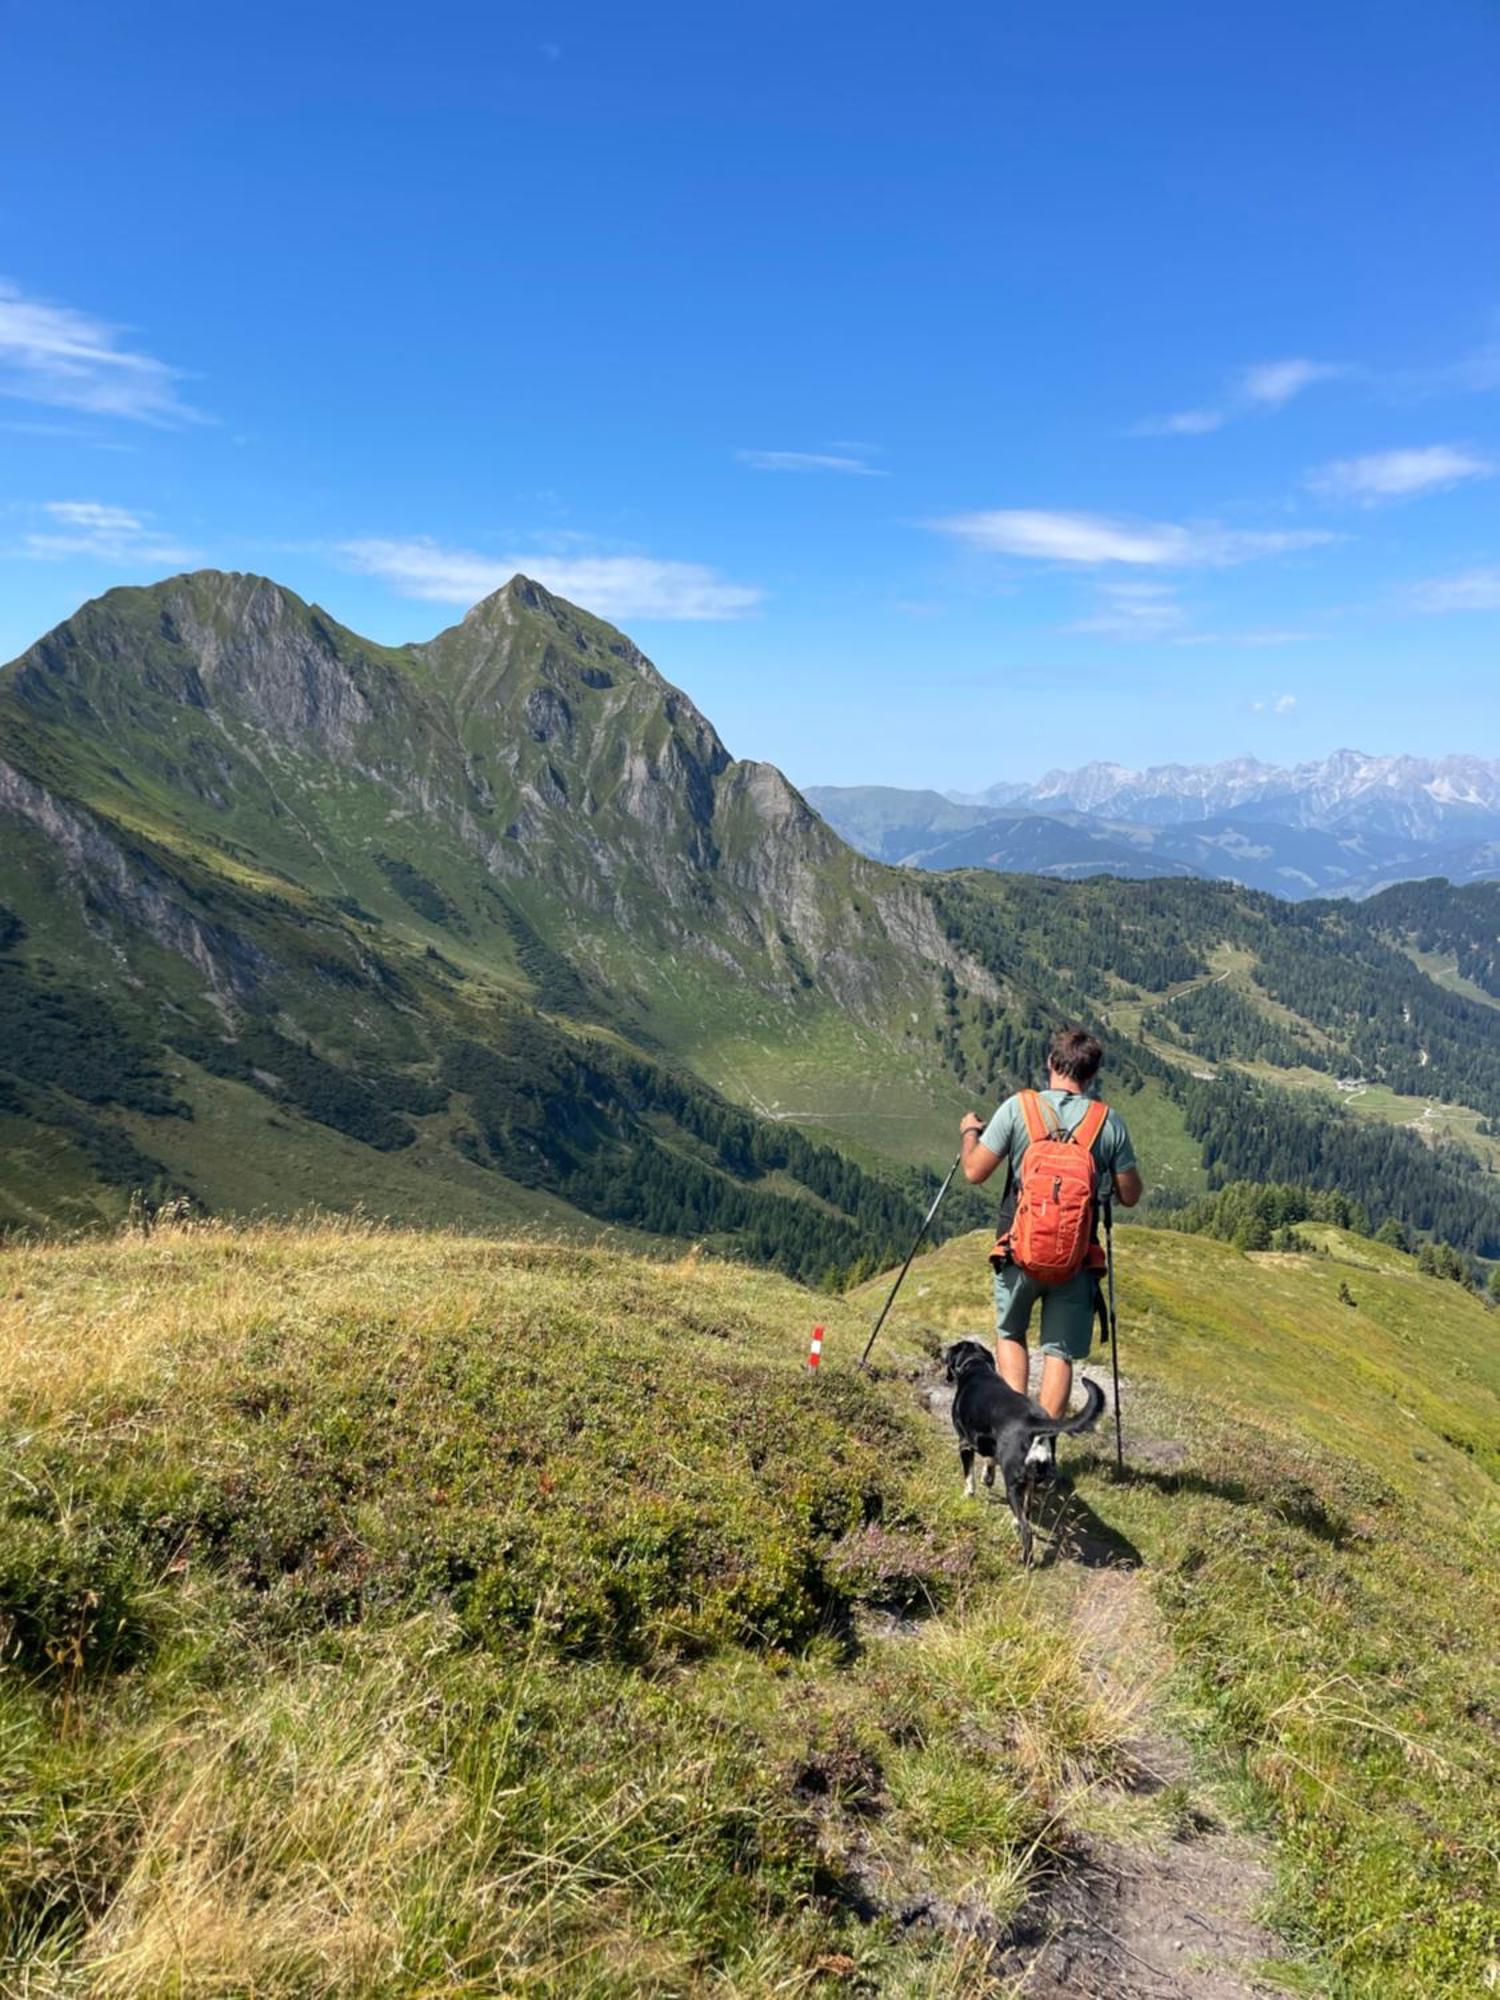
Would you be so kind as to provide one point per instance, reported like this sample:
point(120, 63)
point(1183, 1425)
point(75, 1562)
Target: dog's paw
point(989, 1473)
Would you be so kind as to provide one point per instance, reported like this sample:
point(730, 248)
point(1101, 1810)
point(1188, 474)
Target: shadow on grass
point(1290, 1500)
point(1068, 1530)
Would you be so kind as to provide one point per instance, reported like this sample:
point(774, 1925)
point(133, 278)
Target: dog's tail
point(1086, 1419)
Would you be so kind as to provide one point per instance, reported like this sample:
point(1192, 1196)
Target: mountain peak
point(521, 593)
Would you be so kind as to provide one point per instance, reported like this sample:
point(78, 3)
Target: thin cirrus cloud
point(1096, 539)
point(1270, 384)
point(612, 586)
point(1135, 611)
point(1382, 476)
point(92, 528)
point(55, 355)
point(810, 461)
point(1274, 704)
point(1265, 385)
point(1468, 590)
point(1139, 611)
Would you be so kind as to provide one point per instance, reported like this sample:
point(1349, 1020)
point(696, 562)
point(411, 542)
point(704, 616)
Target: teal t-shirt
point(1006, 1135)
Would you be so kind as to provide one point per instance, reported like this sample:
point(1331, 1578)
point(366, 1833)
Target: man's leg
point(1067, 1335)
point(1013, 1361)
point(1014, 1296)
point(1057, 1384)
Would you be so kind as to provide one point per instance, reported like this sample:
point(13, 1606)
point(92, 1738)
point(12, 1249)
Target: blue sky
point(938, 395)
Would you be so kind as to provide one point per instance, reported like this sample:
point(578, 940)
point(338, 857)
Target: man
point(1068, 1309)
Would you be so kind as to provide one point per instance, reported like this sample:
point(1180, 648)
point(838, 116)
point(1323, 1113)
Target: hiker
point(1067, 1288)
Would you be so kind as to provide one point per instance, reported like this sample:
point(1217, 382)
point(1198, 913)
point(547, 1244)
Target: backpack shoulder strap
point(1034, 1111)
point(1090, 1125)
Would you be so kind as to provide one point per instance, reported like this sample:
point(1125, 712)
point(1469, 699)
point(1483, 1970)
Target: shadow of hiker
point(1292, 1500)
point(1068, 1530)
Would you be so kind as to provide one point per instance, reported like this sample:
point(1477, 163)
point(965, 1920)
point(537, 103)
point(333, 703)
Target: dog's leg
point(989, 1473)
point(966, 1460)
point(1018, 1496)
point(986, 1448)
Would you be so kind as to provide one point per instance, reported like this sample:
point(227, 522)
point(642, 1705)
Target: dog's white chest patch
point(1040, 1452)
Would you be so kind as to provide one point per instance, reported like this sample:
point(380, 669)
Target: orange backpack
point(1051, 1234)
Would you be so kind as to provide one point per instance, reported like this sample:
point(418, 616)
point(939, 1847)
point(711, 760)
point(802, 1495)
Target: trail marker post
point(815, 1352)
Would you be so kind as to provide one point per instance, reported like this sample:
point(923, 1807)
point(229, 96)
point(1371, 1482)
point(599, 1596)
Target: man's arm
point(1128, 1186)
point(978, 1161)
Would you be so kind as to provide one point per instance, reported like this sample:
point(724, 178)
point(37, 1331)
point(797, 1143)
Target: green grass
point(1429, 1116)
point(1442, 967)
point(1323, 1557)
point(389, 1614)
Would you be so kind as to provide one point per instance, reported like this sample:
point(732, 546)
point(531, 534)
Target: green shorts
point(1067, 1311)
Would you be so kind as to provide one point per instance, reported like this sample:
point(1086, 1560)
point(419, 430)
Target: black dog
point(1004, 1426)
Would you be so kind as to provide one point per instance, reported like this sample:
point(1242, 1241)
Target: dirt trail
point(1168, 1912)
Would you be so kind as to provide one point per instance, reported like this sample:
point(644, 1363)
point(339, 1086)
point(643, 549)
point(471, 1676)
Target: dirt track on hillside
point(1122, 1918)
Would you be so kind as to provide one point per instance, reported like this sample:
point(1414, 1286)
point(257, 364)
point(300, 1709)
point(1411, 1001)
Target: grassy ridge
point(1320, 1534)
point(393, 1613)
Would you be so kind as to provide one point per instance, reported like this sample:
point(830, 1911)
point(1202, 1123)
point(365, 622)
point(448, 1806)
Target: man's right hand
point(970, 1122)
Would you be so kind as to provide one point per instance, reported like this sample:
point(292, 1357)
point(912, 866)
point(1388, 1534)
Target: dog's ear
point(950, 1359)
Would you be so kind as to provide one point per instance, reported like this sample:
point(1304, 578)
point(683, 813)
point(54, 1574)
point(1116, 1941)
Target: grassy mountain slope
point(323, 867)
point(1314, 1497)
point(390, 1613)
point(890, 824)
point(1287, 1040)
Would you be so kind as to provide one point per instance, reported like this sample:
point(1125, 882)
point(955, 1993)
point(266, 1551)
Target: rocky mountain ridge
point(1348, 825)
point(1417, 797)
point(240, 845)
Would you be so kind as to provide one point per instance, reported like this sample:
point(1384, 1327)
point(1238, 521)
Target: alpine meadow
point(428, 1563)
point(749, 1002)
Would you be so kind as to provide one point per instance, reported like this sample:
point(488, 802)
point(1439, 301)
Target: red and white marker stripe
point(815, 1352)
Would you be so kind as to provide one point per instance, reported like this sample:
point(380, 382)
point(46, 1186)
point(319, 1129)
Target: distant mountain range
point(1347, 826)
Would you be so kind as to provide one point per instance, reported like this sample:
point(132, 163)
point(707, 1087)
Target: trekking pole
point(916, 1246)
point(1114, 1330)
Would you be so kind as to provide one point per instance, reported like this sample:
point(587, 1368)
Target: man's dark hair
point(1074, 1052)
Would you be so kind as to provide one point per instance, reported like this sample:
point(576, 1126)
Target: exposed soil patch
point(1117, 1923)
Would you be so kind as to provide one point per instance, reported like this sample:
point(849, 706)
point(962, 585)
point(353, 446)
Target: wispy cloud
point(1256, 638)
point(613, 586)
point(1468, 590)
point(1265, 385)
point(1398, 475)
point(1275, 704)
point(1153, 612)
point(1182, 423)
point(1273, 383)
point(52, 354)
point(810, 461)
point(1135, 611)
point(1097, 539)
point(93, 528)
